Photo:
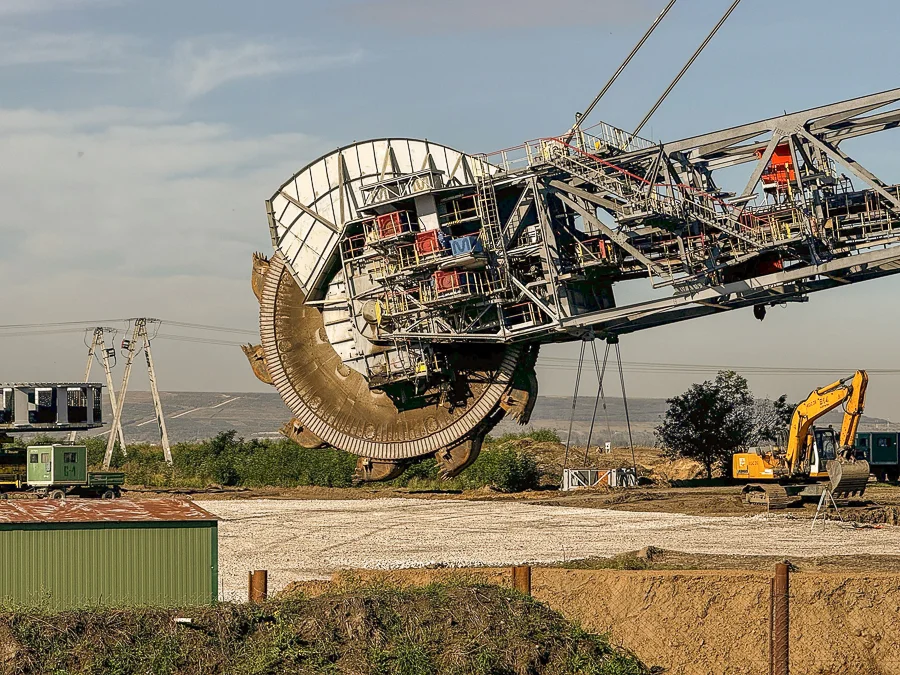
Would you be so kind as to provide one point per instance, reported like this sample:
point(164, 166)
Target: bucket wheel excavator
point(813, 459)
point(412, 284)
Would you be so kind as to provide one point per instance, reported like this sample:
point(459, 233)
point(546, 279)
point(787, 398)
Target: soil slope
point(438, 629)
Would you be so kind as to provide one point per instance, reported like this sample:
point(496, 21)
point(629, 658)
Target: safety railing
point(643, 197)
point(606, 135)
point(523, 315)
point(354, 247)
point(411, 256)
point(458, 210)
point(398, 303)
point(530, 236)
point(593, 250)
point(600, 137)
point(454, 286)
point(403, 364)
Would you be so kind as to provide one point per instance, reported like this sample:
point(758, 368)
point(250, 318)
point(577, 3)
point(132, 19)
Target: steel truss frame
point(673, 224)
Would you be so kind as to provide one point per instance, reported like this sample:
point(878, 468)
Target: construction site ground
point(688, 522)
point(310, 539)
point(671, 486)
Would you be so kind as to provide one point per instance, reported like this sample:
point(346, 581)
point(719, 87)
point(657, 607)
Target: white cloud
point(193, 67)
point(201, 65)
point(21, 48)
point(121, 212)
point(133, 184)
point(12, 7)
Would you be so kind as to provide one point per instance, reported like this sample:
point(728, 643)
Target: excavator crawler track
point(773, 497)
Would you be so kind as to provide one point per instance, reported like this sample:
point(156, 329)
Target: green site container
point(884, 448)
point(60, 555)
point(864, 445)
point(57, 464)
point(65, 467)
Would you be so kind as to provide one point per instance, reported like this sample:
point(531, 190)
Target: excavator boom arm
point(854, 409)
point(821, 402)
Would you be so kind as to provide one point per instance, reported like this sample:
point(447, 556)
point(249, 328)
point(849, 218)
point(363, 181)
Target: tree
point(772, 420)
point(709, 421)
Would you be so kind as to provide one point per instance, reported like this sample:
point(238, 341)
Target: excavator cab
point(824, 450)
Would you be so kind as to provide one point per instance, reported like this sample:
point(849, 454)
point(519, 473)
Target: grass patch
point(464, 630)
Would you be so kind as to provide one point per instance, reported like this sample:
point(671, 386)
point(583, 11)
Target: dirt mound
point(690, 621)
point(651, 463)
point(873, 515)
point(437, 629)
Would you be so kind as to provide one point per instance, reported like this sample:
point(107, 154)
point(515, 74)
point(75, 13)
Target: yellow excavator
point(812, 459)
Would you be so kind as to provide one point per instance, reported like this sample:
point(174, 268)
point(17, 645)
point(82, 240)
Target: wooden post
point(772, 626)
point(522, 579)
point(781, 619)
point(258, 586)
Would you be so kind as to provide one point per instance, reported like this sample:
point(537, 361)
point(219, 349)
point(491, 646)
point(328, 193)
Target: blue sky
point(139, 139)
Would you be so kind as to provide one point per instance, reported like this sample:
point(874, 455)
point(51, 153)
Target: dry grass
point(373, 630)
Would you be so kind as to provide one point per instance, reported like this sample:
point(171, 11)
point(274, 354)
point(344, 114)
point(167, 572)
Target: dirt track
point(306, 539)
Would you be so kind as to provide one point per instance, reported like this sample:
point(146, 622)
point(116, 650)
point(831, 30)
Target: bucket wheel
point(333, 404)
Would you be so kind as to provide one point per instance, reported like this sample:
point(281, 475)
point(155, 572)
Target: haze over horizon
point(141, 138)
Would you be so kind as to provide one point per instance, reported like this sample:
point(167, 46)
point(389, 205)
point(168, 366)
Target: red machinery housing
point(780, 172)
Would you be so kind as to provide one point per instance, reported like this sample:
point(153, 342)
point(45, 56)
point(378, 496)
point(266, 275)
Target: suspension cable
point(625, 401)
point(684, 70)
point(600, 376)
point(574, 404)
point(622, 68)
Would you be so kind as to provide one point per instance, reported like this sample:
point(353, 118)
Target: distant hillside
point(193, 416)
point(196, 415)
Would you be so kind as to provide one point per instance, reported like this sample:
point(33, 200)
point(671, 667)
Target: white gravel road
point(309, 539)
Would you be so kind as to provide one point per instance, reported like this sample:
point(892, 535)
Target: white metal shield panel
point(418, 154)
point(308, 245)
point(367, 163)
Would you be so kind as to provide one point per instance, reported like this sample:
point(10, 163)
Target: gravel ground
point(310, 539)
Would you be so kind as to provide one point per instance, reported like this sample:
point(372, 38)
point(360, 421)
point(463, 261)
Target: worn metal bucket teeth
point(848, 479)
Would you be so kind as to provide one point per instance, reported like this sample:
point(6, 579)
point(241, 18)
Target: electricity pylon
point(139, 339)
point(98, 342)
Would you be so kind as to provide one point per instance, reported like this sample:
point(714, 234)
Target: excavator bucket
point(848, 479)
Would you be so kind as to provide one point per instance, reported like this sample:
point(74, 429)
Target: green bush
point(505, 469)
point(230, 461)
point(499, 467)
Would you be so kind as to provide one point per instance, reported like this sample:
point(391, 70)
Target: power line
point(562, 363)
point(98, 322)
point(200, 326)
point(44, 332)
point(199, 340)
point(38, 329)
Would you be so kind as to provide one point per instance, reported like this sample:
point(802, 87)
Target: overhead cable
point(684, 70)
point(624, 65)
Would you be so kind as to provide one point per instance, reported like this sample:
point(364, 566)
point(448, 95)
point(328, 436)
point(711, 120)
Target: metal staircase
point(492, 236)
point(638, 201)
